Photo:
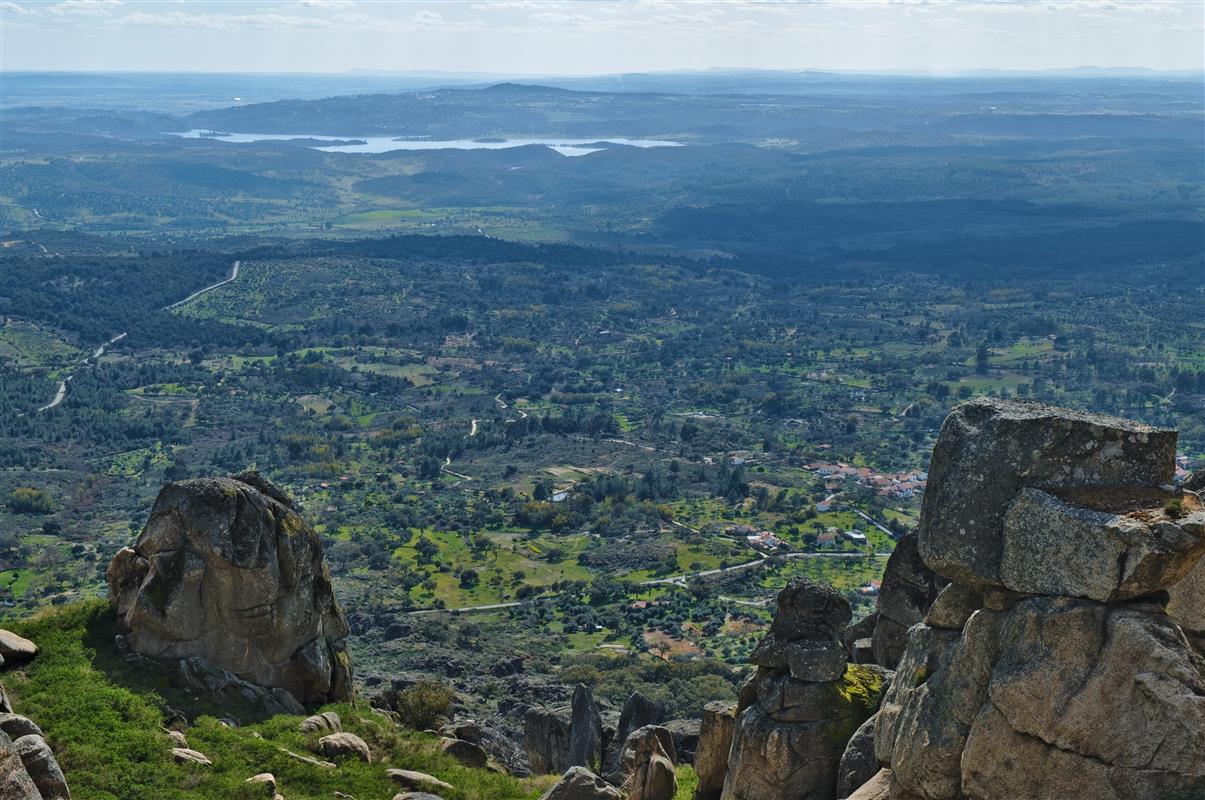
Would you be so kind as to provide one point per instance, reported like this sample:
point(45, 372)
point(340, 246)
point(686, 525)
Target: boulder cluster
point(228, 583)
point(633, 753)
point(1049, 667)
point(803, 703)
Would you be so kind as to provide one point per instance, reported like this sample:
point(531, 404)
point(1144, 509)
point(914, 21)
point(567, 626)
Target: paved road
point(873, 522)
point(233, 274)
point(61, 393)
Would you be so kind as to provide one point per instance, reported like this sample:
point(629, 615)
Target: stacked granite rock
point(1049, 667)
point(804, 702)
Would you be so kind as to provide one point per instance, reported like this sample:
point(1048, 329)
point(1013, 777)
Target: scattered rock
point(410, 779)
point(343, 745)
point(185, 755)
point(467, 753)
point(585, 730)
point(15, 649)
point(579, 783)
point(227, 573)
point(715, 740)
point(326, 721)
point(989, 449)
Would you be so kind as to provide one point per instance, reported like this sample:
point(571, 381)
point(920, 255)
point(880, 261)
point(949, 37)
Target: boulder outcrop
point(546, 740)
point(585, 730)
point(647, 760)
point(226, 571)
point(1050, 668)
point(990, 449)
point(803, 704)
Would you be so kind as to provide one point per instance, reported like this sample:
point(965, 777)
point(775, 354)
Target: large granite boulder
point(990, 449)
point(907, 590)
point(1058, 672)
point(804, 703)
point(1103, 544)
point(230, 573)
point(715, 741)
point(637, 712)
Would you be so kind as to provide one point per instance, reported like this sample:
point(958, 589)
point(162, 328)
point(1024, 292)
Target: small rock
point(178, 739)
point(340, 745)
point(267, 780)
point(579, 783)
point(14, 649)
point(307, 760)
point(467, 753)
point(416, 796)
point(185, 755)
point(468, 730)
point(410, 779)
point(326, 721)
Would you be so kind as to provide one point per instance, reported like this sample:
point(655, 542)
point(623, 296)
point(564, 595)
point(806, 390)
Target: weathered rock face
point(637, 712)
point(1058, 672)
point(858, 763)
point(585, 730)
point(908, 589)
point(546, 740)
point(804, 703)
point(41, 766)
point(230, 574)
point(15, 782)
point(988, 450)
point(715, 740)
point(648, 762)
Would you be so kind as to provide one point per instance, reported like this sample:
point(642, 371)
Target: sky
point(567, 37)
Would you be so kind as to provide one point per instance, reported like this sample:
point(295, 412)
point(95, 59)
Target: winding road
point(206, 290)
point(61, 393)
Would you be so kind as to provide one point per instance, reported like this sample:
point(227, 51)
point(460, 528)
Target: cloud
point(84, 8)
point(13, 8)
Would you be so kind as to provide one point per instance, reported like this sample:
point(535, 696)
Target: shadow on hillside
point(151, 677)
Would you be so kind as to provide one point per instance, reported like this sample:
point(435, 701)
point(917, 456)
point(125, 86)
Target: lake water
point(386, 144)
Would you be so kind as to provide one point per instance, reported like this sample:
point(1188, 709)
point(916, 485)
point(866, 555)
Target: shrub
point(28, 500)
point(425, 704)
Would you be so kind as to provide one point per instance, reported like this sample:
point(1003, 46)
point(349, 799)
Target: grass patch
point(103, 718)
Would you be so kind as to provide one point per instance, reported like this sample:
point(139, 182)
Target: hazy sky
point(583, 36)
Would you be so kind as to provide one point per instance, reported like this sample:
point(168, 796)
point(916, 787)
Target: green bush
point(425, 705)
point(28, 500)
